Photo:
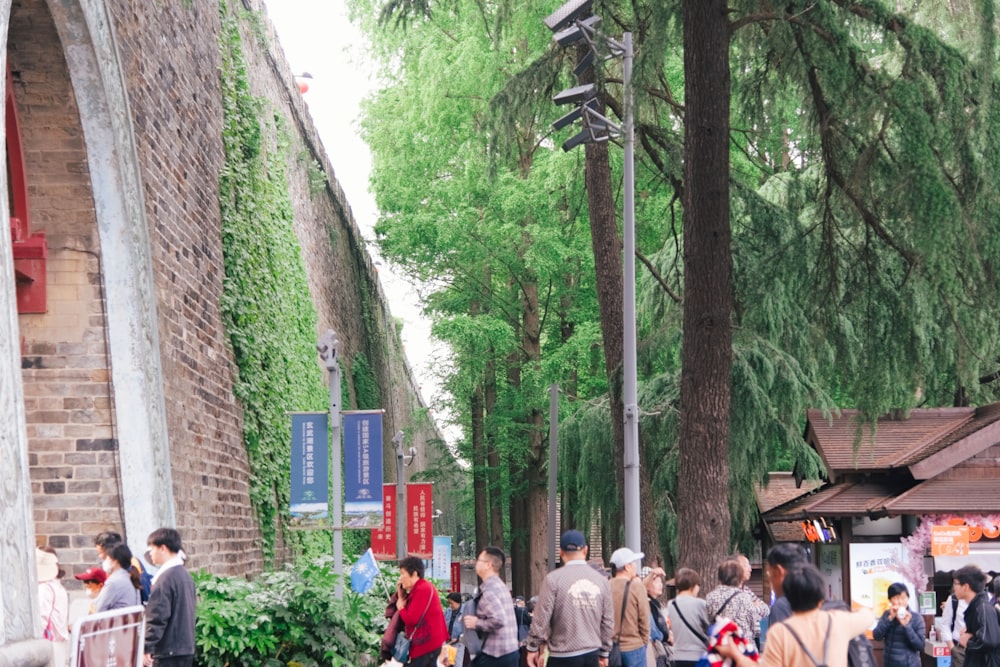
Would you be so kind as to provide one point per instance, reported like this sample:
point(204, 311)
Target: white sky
point(317, 38)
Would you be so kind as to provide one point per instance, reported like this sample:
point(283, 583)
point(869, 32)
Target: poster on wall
point(831, 565)
point(874, 567)
point(442, 558)
point(363, 469)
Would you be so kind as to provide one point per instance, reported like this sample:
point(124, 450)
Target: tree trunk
point(479, 486)
point(536, 479)
point(497, 500)
point(706, 357)
point(607, 247)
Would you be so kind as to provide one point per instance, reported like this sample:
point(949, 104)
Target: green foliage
point(288, 617)
point(864, 214)
point(366, 390)
point(268, 314)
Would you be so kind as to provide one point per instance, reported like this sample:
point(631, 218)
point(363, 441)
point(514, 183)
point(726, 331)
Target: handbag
point(401, 647)
point(615, 656)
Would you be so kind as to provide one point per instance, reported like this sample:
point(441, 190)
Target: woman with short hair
point(688, 616)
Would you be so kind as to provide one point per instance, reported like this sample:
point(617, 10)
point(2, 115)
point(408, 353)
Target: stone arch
point(86, 32)
point(135, 376)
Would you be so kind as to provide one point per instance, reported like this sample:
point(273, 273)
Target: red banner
point(419, 535)
point(456, 578)
point(384, 538)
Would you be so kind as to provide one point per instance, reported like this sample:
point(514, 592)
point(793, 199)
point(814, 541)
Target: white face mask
point(106, 564)
point(92, 592)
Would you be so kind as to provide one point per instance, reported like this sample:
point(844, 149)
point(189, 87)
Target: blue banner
point(310, 493)
point(363, 469)
point(442, 558)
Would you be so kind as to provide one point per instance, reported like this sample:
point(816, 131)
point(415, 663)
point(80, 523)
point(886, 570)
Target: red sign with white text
point(419, 535)
point(384, 538)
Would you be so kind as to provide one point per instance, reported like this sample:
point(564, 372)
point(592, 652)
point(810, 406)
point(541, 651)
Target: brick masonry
point(170, 55)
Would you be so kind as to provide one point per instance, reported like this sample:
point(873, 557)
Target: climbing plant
point(269, 317)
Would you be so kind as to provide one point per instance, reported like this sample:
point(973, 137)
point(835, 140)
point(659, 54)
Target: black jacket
point(903, 643)
point(170, 614)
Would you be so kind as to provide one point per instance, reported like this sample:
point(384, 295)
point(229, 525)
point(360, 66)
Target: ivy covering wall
point(269, 317)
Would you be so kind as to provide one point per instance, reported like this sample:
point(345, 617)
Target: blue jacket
point(903, 643)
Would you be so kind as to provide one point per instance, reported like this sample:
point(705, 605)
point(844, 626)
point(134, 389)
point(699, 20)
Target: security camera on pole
point(570, 24)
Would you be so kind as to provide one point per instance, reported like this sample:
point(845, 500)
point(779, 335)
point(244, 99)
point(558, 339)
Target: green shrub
point(288, 617)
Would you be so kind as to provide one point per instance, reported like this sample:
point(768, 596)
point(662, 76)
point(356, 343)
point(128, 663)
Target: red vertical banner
point(419, 535)
point(384, 538)
point(456, 578)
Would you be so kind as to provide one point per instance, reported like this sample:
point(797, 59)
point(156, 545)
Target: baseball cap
point(93, 574)
point(572, 540)
point(622, 557)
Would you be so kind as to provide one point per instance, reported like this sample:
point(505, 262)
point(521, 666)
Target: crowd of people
point(121, 581)
point(583, 618)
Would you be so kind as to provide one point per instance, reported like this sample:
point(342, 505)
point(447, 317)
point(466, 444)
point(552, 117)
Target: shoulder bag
point(401, 647)
point(615, 657)
point(700, 635)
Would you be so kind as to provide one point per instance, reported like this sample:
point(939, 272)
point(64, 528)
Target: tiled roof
point(836, 500)
point(781, 488)
point(949, 496)
point(786, 531)
point(896, 440)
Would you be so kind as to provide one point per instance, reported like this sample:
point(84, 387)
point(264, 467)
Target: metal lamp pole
point(397, 440)
point(629, 392)
point(329, 347)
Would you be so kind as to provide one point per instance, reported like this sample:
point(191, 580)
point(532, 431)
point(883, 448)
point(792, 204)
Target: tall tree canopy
point(854, 190)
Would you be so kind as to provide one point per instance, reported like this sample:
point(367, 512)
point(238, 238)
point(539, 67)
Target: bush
point(288, 617)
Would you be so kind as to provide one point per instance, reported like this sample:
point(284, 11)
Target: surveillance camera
point(577, 31)
point(576, 95)
point(569, 12)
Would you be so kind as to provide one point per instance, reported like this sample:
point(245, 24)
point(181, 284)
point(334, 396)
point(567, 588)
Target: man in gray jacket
point(574, 615)
point(170, 612)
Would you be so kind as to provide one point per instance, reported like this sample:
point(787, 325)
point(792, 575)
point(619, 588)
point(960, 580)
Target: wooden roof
point(895, 442)
point(781, 488)
point(938, 496)
point(838, 500)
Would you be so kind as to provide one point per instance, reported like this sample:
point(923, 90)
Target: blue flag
point(364, 572)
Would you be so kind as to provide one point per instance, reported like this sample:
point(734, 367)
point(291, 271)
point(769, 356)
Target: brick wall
point(65, 360)
point(170, 58)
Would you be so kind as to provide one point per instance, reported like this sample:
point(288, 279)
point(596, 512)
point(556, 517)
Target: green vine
point(267, 311)
point(366, 389)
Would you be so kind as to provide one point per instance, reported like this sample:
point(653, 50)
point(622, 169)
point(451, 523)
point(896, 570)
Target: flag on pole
point(364, 572)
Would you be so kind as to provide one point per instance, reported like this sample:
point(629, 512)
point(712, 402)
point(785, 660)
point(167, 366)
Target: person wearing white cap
point(53, 601)
point(631, 606)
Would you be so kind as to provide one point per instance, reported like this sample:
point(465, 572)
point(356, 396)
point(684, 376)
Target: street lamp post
point(571, 23)
point(329, 348)
point(403, 459)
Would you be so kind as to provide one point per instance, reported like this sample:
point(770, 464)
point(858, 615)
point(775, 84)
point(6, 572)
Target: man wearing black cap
point(579, 635)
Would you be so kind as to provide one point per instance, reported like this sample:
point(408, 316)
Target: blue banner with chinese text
point(363, 469)
point(310, 483)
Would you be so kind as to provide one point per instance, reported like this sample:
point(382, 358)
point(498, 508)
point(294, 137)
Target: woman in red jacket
point(423, 616)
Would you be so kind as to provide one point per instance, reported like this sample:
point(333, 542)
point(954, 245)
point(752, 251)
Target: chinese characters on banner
point(419, 536)
point(310, 483)
point(362, 469)
point(384, 538)
point(874, 567)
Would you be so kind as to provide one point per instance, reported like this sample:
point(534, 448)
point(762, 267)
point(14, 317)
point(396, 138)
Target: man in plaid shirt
point(494, 619)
